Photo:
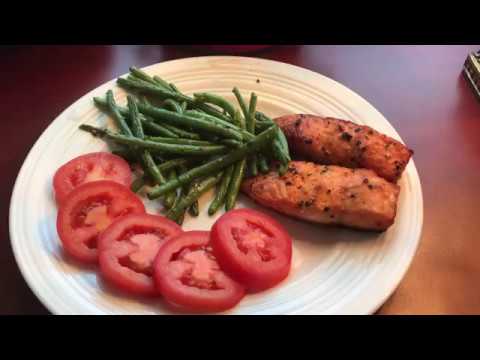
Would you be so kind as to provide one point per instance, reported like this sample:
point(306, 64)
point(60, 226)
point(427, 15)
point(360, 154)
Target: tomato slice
point(88, 210)
point(127, 248)
point(252, 248)
point(188, 275)
point(87, 168)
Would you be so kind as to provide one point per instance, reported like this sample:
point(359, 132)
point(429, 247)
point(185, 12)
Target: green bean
point(167, 165)
point(184, 106)
point(238, 120)
point(193, 208)
point(193, 195)
point(231, 143)
point(250, 123)
point(173, 105)
point(241, 102)
point(278, 151)
point(148, 164)
point(120, 121)
point(263, 118)
point(250, 120)
point(151, 168)
point(217, 164)
point(181, 133)
point(234, 186)
point(209, 110)
point(195, 113)
point(135, 122)
point(204, 107)
point(222, 191)
point(143, 99)
point(281, 139)
point(147, 123)
point(138, 184)
point(215, 100)
point(169, 198)
point(142, 75)
point(173, 118)
point(175, 163)
point(179, 141)
point(161, 82)
point(199, 115)
point(158, 89)
point(261, 126)
point(165, 93)
point(157, 129)
point(156, 146)
point(173, 87)
point(245, 134)
point(284, 144)
point(263, 164)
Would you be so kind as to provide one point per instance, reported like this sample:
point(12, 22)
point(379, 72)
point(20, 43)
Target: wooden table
point(419, 89)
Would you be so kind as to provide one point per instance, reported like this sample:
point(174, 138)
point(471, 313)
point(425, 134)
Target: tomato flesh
point(252, 248)
point(128, 247)
point(88, 168)
point(90, 209)
point(188, 275)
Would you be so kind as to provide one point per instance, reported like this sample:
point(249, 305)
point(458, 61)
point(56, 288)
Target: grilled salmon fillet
point(327, 194)
point(333, 141)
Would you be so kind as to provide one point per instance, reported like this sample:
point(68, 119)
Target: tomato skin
point(90, 167)
point(76, 237)
point(190, 286)
point(112, 250)
point(247, 267)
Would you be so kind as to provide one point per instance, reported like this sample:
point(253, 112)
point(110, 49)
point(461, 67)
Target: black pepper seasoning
point(309, 203)
point(346, 136)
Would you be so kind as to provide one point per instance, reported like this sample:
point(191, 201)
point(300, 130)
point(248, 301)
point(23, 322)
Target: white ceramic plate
point(335, 271)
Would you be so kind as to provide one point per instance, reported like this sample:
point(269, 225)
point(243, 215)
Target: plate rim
point(394, 283)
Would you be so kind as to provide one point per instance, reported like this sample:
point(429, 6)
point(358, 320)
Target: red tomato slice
point(88, 210)
point(187, 274)
point(252, 248)
point(127, 248)
point(87, 168)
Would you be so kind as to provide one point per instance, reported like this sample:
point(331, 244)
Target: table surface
point(419, 89)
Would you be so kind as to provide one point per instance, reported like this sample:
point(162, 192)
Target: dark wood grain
point(418, 88)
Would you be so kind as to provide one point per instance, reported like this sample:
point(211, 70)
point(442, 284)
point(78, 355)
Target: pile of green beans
point(187, 145)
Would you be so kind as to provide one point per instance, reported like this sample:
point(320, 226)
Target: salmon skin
point(327, 194)
point(327, 140)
